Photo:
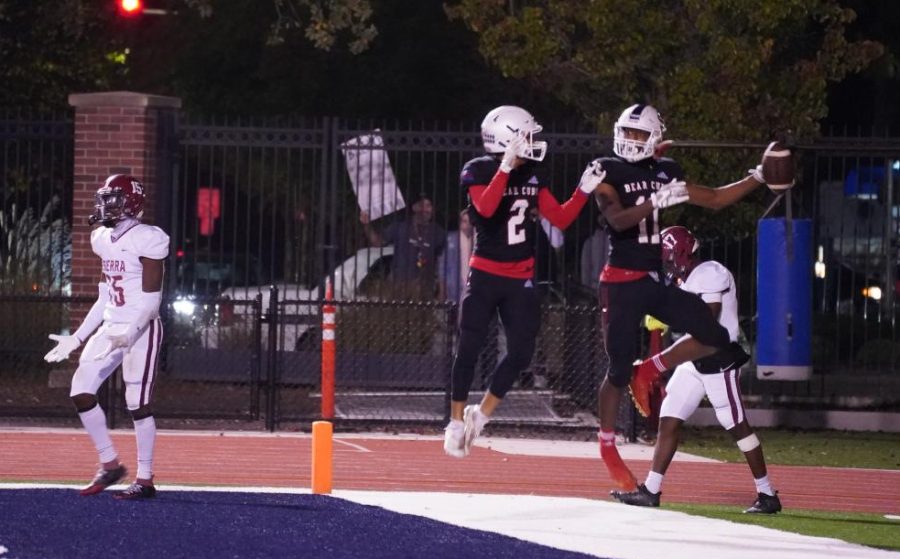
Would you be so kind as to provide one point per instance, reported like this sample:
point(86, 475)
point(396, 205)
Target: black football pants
point(623, 307)
point(518, 303)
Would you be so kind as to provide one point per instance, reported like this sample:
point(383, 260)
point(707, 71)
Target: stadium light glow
point(130, 7)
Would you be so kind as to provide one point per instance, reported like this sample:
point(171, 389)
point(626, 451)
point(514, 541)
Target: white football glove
point(511, 154)
point(670, 194)
point(592, 177)
point(757, 175)
point(64, 346)
point(114, 342)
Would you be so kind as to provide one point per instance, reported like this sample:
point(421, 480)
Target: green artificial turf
point(866, 529)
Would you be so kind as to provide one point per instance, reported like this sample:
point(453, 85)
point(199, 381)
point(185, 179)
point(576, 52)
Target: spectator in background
point(453, 266)
point(594, 253)
point(418, 243)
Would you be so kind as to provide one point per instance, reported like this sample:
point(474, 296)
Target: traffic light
point(130, 8)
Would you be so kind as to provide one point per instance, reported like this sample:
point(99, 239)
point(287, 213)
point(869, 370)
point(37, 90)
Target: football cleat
point(103, 479)
point(454, 439)
point(617, 469)
point(644, 376)
point(136, 491)
point(765, 504)
point(639, 498)
point(474, 422)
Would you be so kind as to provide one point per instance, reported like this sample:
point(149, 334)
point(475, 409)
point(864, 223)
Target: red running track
point(420, 465)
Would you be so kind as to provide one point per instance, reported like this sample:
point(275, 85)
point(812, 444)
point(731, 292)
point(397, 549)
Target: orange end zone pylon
point(322, 432)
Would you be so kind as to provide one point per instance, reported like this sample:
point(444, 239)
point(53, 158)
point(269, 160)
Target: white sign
point(371, 175)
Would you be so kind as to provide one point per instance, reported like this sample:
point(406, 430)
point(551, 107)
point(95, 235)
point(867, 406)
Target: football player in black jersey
point(503, 187)
point(638, 184)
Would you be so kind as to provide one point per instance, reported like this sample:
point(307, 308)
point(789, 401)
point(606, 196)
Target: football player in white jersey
point(689, 384)
point(121, 328)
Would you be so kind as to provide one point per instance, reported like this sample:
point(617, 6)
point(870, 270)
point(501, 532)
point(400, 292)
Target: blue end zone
point(49, 523)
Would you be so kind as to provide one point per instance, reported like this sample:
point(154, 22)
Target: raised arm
point(723, 196)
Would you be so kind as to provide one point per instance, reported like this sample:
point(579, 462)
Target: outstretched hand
point(65, 345)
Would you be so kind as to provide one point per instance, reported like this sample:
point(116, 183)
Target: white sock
point(763, 485)
point(145, 433)
point(94, 422)
point(653, 482)
point(456, 424)
point(480, 416)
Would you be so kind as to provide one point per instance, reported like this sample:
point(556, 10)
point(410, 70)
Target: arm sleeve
point(94, 316)
point(486, 199)
point(561, 215)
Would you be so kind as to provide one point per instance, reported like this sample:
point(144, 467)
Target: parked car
point(354, 279)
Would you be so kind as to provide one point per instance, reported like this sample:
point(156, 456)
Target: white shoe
point(474, 421)
point(454, 434)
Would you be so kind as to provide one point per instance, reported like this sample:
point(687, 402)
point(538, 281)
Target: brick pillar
point(116, 132)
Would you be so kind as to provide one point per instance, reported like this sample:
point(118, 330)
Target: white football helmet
point(504, 123)
point(639, 117)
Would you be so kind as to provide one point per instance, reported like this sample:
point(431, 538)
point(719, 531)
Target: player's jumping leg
point(477, 308)
point(684, 312)
point(520, 315)
point(622, 311)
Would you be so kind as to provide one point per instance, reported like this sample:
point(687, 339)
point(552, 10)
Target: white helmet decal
point(504, 123)
point(638, 117)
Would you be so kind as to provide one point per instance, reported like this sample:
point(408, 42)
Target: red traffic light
point(130, 7)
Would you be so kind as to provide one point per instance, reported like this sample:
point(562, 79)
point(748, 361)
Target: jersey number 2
point(116, 292)
point(515, 232)
point(649, 224)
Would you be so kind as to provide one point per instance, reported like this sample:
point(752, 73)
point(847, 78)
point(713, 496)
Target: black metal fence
point(36, 169)
point(273, 202)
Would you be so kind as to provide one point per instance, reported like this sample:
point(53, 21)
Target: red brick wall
point(115, 132)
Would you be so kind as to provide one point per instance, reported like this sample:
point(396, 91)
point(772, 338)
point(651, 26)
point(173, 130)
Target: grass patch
point(802, 448)
point(866, 529)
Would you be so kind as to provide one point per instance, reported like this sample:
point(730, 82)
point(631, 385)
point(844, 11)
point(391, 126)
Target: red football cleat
point(617, 469)
point(103, 479)
point(644, 376)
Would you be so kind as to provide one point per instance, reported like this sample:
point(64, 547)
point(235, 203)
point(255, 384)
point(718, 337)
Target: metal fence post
point(271, 319)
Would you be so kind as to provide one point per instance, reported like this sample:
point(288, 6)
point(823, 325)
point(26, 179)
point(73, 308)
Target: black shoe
point(103, 479)
point(137, 491)
point(640, 498)
point(765, 504)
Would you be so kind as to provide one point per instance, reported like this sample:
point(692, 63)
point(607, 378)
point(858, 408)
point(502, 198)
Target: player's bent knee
point(748, 443)
point(84, 402)
point(142, 412)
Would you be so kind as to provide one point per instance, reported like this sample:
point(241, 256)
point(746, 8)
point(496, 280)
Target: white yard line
point(607, 529)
